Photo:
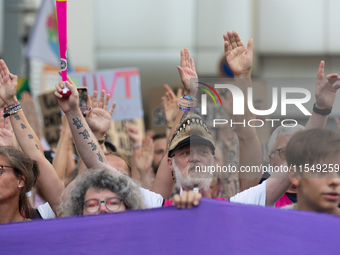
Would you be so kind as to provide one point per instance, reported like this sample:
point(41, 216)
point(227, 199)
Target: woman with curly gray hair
point(101, 191)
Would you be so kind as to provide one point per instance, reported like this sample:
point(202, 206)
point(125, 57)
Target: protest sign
point(52, 117)
point(122, 84)
point(118, 136)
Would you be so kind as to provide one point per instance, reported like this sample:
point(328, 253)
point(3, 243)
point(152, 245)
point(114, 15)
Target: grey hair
point(280, 131)
point(101, 179)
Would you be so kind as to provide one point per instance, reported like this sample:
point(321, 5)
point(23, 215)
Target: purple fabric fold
point(215, 227)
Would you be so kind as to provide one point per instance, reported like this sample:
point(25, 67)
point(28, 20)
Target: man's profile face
point(185, 161)
point(275, 158)
point(281, 142)
point(159, 152)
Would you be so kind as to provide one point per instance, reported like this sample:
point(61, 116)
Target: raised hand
point(325, 90)
point(25, 96)
point(99, 116)
point(134, 134)
point(239, 57)
point(8, 84)
point(187, 70)
point(71, 103)
point(170, 104)
point(6, 132)
point(144, 156)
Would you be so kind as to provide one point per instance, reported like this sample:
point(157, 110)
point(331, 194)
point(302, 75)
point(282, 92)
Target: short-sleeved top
point(255, 196)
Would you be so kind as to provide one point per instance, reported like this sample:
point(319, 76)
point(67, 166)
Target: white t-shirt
point(46, 211)
point(253, 196)
point(151, 199)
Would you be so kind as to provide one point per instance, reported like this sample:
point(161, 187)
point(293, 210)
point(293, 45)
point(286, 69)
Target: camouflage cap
point(191, 130)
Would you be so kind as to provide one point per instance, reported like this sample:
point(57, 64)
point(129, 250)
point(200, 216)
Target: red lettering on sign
point(126, 75)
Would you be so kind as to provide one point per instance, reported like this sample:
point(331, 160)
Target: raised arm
point(240, 60)
point(86, 143)
point(98, 119)
point(48, 180)
point(60, 159)
point(170, 106)
point(325, 93)
point(136, 139)
point(164, 180)
point(142, 161)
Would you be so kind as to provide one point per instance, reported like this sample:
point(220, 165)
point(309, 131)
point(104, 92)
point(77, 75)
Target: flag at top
point(43, 42)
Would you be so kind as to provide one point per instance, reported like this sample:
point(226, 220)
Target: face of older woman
point(10, 185)
point(102, 201)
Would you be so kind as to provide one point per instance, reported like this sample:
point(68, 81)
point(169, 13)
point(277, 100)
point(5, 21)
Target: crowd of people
point(162, 170)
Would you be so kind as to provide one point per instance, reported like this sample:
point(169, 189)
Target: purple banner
point(215, 227)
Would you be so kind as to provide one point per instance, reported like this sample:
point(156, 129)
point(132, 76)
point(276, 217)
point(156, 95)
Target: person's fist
point(187, 199)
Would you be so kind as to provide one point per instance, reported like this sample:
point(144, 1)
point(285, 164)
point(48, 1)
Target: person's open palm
point(239, 57)
point(325, 88)
point(187, 69)
point(8, 84)
point(99, 116)
point(170, 103)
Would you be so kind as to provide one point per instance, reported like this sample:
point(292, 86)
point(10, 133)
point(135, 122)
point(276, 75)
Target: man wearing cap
point(192, 147)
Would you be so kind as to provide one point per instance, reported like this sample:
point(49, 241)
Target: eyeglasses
point(111, 203)
point(282, 152)
point(2, 169)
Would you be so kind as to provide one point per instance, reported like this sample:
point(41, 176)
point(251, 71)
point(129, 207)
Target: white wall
point(215, 18)
point(80, 32)
point(149, 34)
point(291, 26)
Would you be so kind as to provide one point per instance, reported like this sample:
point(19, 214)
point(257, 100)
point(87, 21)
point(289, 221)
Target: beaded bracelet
point(12, 111)
point(189, 98)
point(187, 103)
point(11, 106)
point(189, 109)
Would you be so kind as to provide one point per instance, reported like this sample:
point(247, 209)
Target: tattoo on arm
point(93, 145)
point(23, 126)
point(236, 184)
point(77, 123)
point(36, 146)
point(17, 117)
point(100, 157)
point(85, 134)
point(30, 136)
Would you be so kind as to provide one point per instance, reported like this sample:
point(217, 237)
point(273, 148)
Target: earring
point(173, 177)
point(19, 186)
